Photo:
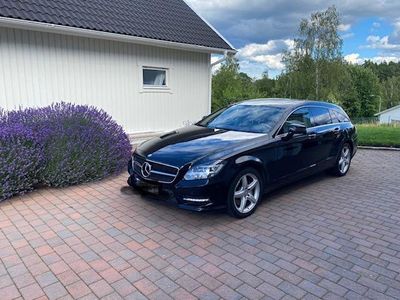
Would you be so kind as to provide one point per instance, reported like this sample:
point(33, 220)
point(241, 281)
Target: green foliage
point(390, 92)
point(366, 86)
point(383, 70)
point(379, 135)
point(230, 85)
point(265, 86)
point(317, 52)
point(315, 69)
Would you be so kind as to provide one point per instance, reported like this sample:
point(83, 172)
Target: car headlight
point(203, 171)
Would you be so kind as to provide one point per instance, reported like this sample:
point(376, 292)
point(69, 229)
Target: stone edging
point(378, 148)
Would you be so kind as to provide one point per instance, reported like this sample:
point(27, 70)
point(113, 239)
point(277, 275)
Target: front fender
point(255, 162)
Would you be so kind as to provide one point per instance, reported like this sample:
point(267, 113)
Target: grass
point(378, 135)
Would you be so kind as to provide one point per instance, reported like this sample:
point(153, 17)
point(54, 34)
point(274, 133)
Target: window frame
point(149, 87)
point(290, 114)
point(278, 134)
point(340, 114)
point(313, 117)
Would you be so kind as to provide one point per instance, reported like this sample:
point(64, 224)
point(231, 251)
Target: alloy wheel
point(247, 193)
point(344, 161)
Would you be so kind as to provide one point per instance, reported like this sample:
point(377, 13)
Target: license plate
point(148, 187)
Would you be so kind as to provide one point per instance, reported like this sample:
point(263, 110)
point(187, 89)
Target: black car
point(233, 156)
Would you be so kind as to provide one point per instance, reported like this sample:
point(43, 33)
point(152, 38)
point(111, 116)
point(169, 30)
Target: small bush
point(59, 145)
point(21, 158)
point(81, 144)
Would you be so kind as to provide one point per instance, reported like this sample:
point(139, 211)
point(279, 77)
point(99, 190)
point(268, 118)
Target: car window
point(244, 117)
point(301, 116)
point(320, 116)
point(342, 117)
point(334, 116)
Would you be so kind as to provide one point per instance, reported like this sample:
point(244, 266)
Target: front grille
point(159, 172)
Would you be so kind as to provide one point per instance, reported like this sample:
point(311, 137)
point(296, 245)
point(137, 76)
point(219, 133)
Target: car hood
point(193, 143)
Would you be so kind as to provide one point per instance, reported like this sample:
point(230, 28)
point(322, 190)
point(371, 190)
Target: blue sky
point(262, 29)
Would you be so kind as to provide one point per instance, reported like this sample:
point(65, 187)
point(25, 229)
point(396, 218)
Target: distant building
point(389, 116)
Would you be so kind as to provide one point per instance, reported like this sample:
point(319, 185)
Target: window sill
point(154, 89)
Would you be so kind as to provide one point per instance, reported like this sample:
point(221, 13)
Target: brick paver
point(323, 237)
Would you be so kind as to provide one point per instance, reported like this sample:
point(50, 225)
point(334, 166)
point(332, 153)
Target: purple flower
point(58, 145)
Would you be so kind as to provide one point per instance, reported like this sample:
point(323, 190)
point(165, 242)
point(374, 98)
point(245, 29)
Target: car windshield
point(244, 117)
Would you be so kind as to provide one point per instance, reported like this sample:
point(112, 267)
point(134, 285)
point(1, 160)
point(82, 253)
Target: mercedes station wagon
point(232, 157)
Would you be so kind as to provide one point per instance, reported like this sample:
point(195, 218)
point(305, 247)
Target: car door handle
point(312, 136)
point(336, 131)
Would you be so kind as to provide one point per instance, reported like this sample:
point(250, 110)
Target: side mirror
point(295, 129)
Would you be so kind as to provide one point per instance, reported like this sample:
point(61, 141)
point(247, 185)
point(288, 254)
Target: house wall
point(390, 116)
point(37, 69)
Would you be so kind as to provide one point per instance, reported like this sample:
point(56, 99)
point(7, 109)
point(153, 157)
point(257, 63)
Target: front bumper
point(196, 195)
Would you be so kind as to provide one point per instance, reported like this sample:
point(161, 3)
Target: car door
point(324, 133)
point(295, 154)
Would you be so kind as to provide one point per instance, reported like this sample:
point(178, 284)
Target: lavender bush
point(21, 158)
point(76, 143)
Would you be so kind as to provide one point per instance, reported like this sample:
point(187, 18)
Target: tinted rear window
point(320, 116)
point(340, 116)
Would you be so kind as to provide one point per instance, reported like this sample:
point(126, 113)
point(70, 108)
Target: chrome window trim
point(301, 107)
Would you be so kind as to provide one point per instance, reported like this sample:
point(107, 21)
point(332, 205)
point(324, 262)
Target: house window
point(154, 77)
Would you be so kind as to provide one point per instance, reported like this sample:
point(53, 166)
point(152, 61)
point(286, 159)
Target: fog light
point(196, 200)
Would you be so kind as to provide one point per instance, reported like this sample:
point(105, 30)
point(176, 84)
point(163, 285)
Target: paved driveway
point(322, 238)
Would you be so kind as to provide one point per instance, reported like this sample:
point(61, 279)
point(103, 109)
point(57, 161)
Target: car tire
point(245, 193)
point(343, 161)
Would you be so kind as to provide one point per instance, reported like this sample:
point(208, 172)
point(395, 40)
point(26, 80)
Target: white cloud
point(273, 46)
point(355, 58)
point(254, 21)
point(395, 36)
point(268, 56)
point(381, 59)
point(344, 27)
point(273, 62)
point(376, 25)
point(247, 24)
point(347, 35)
point(382, 43)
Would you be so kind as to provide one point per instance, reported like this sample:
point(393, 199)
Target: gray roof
point(165, 20)
point(387, 110)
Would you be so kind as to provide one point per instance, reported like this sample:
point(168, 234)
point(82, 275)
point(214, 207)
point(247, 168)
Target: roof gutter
point(60, 29)
point(227, 55)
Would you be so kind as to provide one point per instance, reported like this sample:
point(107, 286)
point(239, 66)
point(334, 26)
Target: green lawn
point(378, 135)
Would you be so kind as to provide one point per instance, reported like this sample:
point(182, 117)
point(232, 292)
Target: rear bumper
point(198, 195)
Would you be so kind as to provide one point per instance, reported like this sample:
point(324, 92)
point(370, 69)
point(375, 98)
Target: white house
point(145, 62)
point(389, 116)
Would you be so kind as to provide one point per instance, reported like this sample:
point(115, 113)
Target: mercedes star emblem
point(146, 169)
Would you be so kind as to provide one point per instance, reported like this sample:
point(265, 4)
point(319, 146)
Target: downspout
point(227, 55)
point(219, 61)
